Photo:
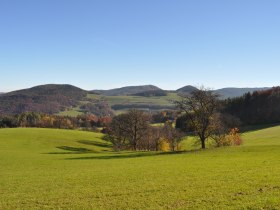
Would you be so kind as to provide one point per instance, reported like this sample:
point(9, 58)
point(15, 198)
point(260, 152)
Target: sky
point(103, 44)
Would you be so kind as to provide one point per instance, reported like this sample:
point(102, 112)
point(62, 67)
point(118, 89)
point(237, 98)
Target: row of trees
point(32, 119)
point(133, 131)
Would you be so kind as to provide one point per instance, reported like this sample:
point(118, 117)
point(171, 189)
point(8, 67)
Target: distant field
point(158, 100)
point(72, 112)
point(140, 100)
point(53, 169)
point(162, 101)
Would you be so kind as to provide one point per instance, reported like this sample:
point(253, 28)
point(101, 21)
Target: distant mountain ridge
point(55, 99)
point(230, 92)
point(236, 92)
point(128, 90)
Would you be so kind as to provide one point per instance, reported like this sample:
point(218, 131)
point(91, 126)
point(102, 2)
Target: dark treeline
point(260, 107)
point(32, 119)
point(88, 121)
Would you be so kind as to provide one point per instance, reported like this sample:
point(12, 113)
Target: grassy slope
point(43, 168)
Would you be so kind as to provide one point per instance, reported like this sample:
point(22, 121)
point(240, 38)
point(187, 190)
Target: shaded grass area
point(86, 174)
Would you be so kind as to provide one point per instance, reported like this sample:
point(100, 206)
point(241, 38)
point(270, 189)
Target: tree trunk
point(203, 144)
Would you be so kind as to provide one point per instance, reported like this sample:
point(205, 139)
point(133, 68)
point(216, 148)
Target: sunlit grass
point(52, 169)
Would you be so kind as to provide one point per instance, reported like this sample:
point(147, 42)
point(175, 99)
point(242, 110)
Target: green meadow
point(65, 169)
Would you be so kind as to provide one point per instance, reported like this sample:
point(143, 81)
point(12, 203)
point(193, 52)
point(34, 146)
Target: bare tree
point(200, 107)
point(152, 139)
point(172, 135)
point(127, 130)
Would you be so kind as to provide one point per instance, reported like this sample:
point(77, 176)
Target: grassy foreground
point(60, 169)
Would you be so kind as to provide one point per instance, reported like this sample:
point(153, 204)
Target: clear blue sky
point(102, 44)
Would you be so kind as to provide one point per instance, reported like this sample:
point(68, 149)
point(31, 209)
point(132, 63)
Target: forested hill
point(129, 90)
point(52, 90)
point(186, 89)
point(44, 98)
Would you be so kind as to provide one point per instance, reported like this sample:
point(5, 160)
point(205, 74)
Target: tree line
point(40, 120)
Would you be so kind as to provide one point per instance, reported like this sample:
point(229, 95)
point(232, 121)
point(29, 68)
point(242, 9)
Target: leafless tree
point(172, 135)
point(127, 130)
point(200, 107)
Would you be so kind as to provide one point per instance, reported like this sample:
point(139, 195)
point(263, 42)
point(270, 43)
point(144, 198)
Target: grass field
point(60, 169)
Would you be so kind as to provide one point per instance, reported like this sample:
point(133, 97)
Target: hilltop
point(186, 89)
point(44, 98)
point(128, 90)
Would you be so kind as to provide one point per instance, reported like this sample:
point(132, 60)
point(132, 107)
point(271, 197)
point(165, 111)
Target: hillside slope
point(62, 169)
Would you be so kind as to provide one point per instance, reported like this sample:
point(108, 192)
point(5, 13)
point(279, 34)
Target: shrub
point(164, 145)
point(231, 139)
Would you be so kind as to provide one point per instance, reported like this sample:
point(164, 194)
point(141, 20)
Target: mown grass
point(53, 169)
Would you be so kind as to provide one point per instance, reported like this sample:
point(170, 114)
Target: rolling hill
point(45, 98)
point(65, 169)
point(186, 89)
point(129, 90)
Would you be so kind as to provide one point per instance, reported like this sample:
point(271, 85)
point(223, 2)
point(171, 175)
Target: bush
point(164, 145)
point(231, 139)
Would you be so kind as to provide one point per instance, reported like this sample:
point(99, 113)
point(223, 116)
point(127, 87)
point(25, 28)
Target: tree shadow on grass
point(95, 143)
point(128, 155)
point(80, 150)
point(72, 150)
